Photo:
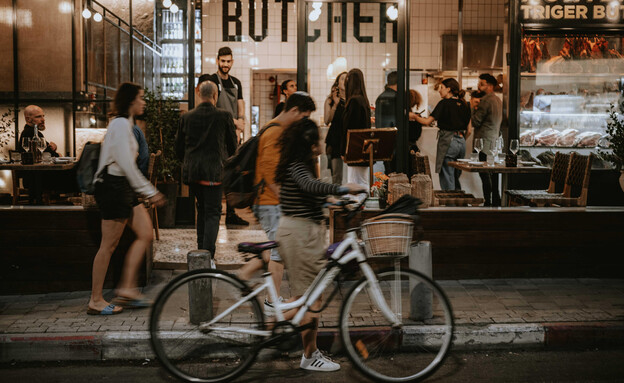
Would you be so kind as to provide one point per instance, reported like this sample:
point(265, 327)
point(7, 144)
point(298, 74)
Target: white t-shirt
point(119, 151)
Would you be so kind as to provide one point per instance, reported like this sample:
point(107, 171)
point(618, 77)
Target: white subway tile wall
point(430, 19)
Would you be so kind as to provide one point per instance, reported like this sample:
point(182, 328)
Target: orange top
point(266, 164)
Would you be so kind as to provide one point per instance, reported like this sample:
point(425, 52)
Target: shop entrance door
point(335, 37)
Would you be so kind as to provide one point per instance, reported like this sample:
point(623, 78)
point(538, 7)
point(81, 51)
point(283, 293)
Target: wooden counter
point(51, 248)
point(474, 242)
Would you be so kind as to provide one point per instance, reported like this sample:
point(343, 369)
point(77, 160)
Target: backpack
point(239, 173)
point(87, 166)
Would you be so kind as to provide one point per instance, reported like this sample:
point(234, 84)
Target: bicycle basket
point(388, 235)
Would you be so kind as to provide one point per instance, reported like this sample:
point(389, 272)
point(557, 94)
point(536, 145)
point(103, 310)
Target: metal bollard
point(421, 300)
point(200, 291)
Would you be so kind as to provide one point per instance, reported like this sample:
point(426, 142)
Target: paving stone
point(58, 329)
point(114, 328)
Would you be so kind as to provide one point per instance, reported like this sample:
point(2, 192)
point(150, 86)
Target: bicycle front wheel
point(186, 346)
point(406, 354)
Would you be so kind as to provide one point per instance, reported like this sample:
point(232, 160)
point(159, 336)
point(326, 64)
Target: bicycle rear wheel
point(192, 352)
point(407, 354)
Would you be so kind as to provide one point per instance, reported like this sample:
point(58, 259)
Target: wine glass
point(491, 158)
point(514, 145)
point(26, 143)
point(478, 146)
point(41, 144)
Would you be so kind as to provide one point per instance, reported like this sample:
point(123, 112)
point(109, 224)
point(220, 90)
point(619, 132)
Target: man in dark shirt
point(35, 181)
point(205, 139)
point(385, 112)
point(229, 98)
point(35, 117)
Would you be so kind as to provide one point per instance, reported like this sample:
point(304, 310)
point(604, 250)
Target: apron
point(228, 98)
point(444, 141)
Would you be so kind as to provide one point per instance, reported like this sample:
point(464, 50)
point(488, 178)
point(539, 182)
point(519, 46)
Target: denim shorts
point(269, 217)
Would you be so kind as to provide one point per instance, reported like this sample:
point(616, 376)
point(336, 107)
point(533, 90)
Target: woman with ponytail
point(302, 232)
point(453, 115)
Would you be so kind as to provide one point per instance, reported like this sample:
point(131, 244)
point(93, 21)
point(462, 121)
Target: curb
point(135, 345)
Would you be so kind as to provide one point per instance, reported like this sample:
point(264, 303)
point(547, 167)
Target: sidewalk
point(491, 313)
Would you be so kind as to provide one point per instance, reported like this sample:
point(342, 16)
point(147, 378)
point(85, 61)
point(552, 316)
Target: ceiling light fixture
point(392, 13)
point(167, 3)
point(97, 17)
point(314, 15)
point(86, 13)
point(174, 8)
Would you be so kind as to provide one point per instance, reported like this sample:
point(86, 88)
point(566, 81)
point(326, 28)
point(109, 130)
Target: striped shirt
point(302, 195)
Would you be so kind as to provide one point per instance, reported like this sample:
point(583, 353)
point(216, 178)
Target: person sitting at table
point(35, 116)
point(34, 180)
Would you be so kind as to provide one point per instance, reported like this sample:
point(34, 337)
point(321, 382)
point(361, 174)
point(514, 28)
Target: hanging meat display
point(535, 50)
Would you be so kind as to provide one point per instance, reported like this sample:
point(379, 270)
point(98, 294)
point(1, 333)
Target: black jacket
point(333, 140)
point(206, 138)
point(29, 131)
point(357, 115)
point(385, 109)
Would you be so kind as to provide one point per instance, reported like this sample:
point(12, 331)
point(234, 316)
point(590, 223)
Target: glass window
point(44, 48)
point(6, 42)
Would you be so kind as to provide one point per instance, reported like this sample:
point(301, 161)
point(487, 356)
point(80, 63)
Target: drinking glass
point(41, 144)
point(26, 143)
point(478, 146)
point(514, 146)
point(16, 157)
point(491, 158)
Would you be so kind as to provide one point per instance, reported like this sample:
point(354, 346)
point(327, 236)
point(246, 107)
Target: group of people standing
point(457, 120)
point(347, 107)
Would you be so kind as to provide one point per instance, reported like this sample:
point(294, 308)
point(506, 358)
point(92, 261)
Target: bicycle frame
point(313, 293)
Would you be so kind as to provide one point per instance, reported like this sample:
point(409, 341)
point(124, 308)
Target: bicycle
point(207, 326)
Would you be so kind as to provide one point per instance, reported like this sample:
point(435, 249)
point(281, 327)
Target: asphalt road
point(473, 367)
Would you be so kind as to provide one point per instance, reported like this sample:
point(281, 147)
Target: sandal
point(132, 303)
point(108, 310)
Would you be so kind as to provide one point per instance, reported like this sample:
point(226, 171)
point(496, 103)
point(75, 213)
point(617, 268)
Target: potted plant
point(162, 118)
point(615, 131)
point(379, 190)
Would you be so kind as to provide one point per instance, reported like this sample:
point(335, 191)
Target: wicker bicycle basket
point(388, 235)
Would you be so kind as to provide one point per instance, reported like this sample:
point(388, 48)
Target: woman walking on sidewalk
point(301, 232)
point(118, 181)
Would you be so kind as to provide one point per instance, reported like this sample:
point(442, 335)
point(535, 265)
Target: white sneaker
point(269, 310)
point(318, 362)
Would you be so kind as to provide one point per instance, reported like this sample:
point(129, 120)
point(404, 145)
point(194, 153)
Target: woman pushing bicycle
point(301, 233)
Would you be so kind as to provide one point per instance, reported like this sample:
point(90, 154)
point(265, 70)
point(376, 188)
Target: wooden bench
point(51, 248)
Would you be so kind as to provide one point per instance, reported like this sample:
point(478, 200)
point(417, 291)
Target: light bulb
point(167, 3)
point(314, 15)
point(174, 8)
point(97, 17)
point(86, 13)
point(317, 5)
point(340, 64)
point(392, 13)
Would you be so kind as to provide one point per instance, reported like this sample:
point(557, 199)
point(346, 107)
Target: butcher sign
point(561, 12)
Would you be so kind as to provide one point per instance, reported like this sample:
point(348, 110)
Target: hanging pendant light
point(86, 13)
point(97, 17)
point(174, 8)
point(167, 3)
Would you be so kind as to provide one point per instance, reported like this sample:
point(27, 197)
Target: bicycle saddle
point(256, 247)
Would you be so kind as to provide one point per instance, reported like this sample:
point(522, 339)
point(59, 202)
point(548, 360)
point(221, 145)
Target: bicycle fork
point(378, 298)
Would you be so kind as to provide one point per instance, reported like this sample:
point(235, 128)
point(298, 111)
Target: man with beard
point(35, 117)
point(34, 181)
point(230, 98)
